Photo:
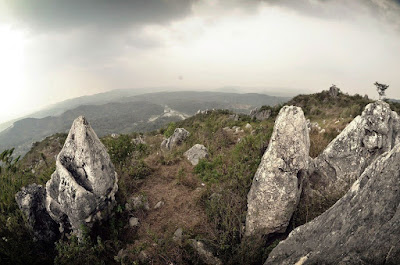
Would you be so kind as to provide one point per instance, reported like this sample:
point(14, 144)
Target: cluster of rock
point(363, 227)
point(177, 138)
point(82, 189)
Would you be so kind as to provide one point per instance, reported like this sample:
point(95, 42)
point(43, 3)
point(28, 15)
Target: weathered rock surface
point(277, 184)
point(31, 201)
point(259, 114)
point(179, 135)
point(363, 227)
point(82, 189)
point(368, 136)
point(197, 152)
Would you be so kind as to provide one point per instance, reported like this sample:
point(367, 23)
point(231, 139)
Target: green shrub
point(74, 251)
point(138, 170)
point(170, 129)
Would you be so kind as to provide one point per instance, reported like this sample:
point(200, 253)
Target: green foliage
point(84, 251)
point(16, 244)
point(210, 171)
point(10, 181)
point(170, 129)
point(121, 149)
point(138, 170)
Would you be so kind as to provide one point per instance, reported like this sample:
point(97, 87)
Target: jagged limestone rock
point(82, 189)
point(368, 136)
point(277, 184)
point(31, 201)
point(363, 227)
point(197, 152)
point(179, 135)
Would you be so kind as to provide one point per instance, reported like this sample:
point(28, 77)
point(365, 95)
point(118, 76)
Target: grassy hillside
point(207, 201)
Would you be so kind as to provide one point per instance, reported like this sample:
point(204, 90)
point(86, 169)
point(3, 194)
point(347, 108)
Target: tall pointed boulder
point(82, 188)
point(277, 184)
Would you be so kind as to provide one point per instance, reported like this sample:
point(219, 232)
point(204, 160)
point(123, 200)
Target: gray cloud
point(115, 14)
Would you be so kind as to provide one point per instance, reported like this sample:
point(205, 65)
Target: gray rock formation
point(178, 235)
point(179, 135)
point(31, 201)
point(197, 152)
point(334, 91)
point(83, 187)
point(259, 114)
point(368, 136)
point(277, 184)
point(363, 227)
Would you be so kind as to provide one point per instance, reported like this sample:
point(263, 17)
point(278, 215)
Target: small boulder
point(31, 201)
point(277, 184)
point(159, 205)
point(197, 152)
point(178, 235)
point(133, 222)
point(177, 138)
point(248, 126)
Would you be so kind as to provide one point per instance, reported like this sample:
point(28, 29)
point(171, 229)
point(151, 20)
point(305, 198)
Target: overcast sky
point(51, 50)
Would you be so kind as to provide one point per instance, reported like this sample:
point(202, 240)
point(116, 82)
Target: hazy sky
point(51, 50)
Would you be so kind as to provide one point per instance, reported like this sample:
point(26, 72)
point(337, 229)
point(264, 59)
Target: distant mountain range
point(123, 111)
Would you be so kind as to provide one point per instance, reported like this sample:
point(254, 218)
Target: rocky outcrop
point(260, 114)
point(277, 184)
point(197, 152)
point(82, 188)
point(179, 135)
point(368, 136)
point(363, 227)
point(31, 201)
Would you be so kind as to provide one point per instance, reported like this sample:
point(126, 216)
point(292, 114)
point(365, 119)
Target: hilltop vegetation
point(207, 201)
